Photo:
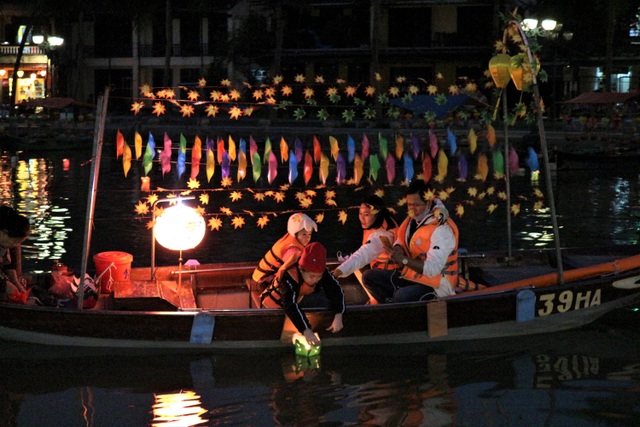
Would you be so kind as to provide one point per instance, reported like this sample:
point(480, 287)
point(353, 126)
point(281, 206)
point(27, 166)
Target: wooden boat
point(211, 308)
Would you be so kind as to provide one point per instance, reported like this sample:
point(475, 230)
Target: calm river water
point(589, 377)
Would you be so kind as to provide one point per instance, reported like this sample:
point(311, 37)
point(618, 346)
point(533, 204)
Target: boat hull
point(474, 315)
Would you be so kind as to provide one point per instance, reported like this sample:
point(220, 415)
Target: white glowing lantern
point(179, 228)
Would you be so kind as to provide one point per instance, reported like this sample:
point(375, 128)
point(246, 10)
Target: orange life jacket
point(382, 261)
point(272, 261)
point(273, 290)
point(419, 245)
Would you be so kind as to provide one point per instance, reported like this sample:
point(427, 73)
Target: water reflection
point(590, 377)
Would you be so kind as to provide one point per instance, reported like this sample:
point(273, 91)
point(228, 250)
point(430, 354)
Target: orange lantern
point(520, 69)
point(499, 69)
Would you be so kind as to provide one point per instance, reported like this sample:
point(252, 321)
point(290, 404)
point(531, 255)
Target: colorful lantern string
point(137, 141)
point(407, 167)
point(308, 167)
point(293, 168)
point(196, 155)
point(351, 149)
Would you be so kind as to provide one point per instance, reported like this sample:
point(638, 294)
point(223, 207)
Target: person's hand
point(279, 274)
point(311, 338)
point(397, 255)
point(337, 272)
point(336, 325)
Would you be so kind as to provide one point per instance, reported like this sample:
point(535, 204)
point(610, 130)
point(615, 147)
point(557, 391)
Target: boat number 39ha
point(567, 300)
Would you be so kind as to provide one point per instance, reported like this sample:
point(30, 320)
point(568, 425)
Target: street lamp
point(48, 44)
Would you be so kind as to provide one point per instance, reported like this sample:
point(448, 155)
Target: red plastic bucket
point(118, 265)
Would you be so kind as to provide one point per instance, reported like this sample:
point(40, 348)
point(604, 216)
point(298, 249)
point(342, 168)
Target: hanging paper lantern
point(179, 228)
point(145, 184)
point(499, 69)
point(520, 69)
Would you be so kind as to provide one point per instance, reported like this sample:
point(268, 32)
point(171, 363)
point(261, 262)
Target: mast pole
point(103, 101)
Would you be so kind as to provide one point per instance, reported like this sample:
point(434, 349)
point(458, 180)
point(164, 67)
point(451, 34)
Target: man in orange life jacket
point(308, 284)
point(426, 247)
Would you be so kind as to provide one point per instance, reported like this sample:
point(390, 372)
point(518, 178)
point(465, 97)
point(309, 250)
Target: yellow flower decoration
point(279, 197)
point(443, 195)
point(145, 88)
point(319, 218)
point(247, 112)
point(459, 209)
point(136, 107)
point(202, 82)
point(270, 92)
point(159, 109)
point(439, 76)
point(235, 196)
point(237, 222)
point(215, 95)
point(225, 82)
point(204, 199)
point(234, 94)
point(170, 94)
point(277, 79)
point(401, 79)
point(319, 79)
point(308, 92)
point(300, 195)
point(193, 95)
point(370, 91)
point(378, 77)
point(299, 78)
point(152, 199)
point(258, 94)
point(226, 182)
point(492, 207)
point(262, 221)
point(186, 110)
point(226, 211)
point(342, 216)
point(515, 209)
point(259, 197)
point(472, 191)
point(432, 89)
point(312, 193)
point(306, 203)
point(142, 208)
point(235, 112)
point(538, 205)
point(394, 91)
point(454, 90)
point(332, 91)
point(538, 193)
point(286, 90)
point(351, 90)
point(193, 183)
point(502, 195)
point(215, 223)
point(413, 89)
point(212, 110)
point(330, 202)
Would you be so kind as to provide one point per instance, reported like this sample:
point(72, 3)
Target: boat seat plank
point(151, 295)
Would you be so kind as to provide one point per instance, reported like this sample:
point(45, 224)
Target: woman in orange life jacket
point(307, 284)
point(427, 250)
point(286, 251)
point(14, 229)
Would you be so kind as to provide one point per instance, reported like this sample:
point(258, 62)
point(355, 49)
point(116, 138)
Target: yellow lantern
point(179, 228)
point(520, 69)
point(499, 69)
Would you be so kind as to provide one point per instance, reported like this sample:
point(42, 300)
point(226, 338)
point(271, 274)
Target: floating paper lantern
point(499, 69)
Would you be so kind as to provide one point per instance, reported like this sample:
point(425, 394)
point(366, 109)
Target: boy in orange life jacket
point(425, 248)
point(286, 251)
point(308, 284)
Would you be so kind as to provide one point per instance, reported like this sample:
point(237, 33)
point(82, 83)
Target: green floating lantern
point(303, 348)
point(499, 69)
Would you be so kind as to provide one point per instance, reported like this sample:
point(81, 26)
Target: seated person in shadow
point(307, 284)
point(14, 229)
point(427, 250)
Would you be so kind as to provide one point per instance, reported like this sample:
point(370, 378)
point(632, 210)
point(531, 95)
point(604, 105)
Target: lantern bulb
point(179, 228)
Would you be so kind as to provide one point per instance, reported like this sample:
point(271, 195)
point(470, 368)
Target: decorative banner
point(351, 149)
point(145, 183)
point(293, 167)
point(138, 145)
point(383, 149)
point(391, 168)
point(225, 166)
point(119, 144)
point(532, 160)
point(272, 171)
point(126, 159)
point(491, 135)
point(463, 168)
point(308, 167)
point(284, 150)
point(341, 169)
point(443, 165)
point(498, 163)
point(253, 149)
point(182, 156)
point(196, 155)
point(297, 146)
point(473, 141)
point(365, 148)
point(483, 167)
point(221, 150)
point(165, 155)
point(433, 143)
point(335, 149)
point(451, 140)
point(415, 146)
point(147, 161)
point(374, 166)
point(427, 167)
point(242, 147)
point(317, 150)
point(266, 158)
point(242, 165)
point(324, 168)
point(514, 161)
point(211, 160)
point(257, 166)
point(407, 167)
point(399, 146)
point(358, 169)
point(233, 154)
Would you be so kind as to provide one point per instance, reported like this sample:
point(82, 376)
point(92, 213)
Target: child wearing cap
point(286, 251)
point(307, 284)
